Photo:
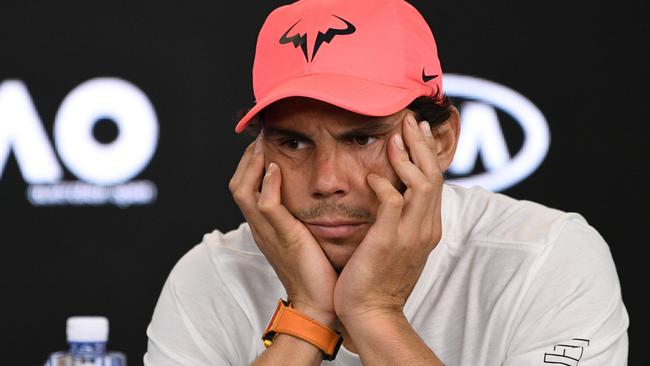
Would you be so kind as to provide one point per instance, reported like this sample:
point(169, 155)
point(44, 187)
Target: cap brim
point(354, 94)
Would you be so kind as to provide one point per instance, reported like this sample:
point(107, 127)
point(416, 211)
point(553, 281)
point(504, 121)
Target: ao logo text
point(100, 166)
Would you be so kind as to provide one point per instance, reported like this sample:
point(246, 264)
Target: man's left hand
point(385, 267)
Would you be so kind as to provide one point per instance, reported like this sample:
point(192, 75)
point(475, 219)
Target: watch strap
point(287, 320)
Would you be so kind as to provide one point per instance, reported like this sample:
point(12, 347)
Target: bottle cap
point(87, 329)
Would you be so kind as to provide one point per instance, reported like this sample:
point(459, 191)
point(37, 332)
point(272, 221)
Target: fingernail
point(425, 128)
point(399, 142)
point(268, 170)
point(258, 144)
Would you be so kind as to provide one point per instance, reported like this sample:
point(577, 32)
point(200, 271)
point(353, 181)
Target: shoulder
point(217, 298)
point(225, 258)
point(572, 291)
point(551, 271)
point(239, 240)
point(479, 216)
point(198, 262)
point(528, 240)
point(228, 269)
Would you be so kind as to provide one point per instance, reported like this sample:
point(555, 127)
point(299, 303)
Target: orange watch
point(286, 320)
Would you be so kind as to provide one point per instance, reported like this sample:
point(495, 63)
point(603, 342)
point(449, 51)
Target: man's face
point(325, 154)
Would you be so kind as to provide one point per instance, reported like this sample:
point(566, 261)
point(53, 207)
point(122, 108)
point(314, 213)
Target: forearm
point(387, 338)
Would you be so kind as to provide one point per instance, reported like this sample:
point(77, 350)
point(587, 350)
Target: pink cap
point(372, 57)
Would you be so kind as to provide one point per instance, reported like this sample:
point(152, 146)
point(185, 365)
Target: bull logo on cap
point(300, 40)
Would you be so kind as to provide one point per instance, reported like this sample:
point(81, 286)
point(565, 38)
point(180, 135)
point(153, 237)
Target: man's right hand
point(297, 258)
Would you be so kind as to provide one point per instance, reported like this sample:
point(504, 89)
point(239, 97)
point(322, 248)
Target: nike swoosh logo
point(426, 77)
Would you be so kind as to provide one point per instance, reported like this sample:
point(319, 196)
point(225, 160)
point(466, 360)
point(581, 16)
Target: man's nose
point(329, 175)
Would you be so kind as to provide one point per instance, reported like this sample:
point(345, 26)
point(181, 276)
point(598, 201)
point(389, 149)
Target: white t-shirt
point(511, 283)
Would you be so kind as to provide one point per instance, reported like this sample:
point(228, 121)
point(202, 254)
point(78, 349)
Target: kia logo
point(481, 135)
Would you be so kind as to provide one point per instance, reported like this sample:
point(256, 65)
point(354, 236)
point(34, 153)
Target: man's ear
point(446, 135)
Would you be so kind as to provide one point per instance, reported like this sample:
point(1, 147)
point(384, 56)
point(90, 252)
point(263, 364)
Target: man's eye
point(293, 144)
point(363, 140)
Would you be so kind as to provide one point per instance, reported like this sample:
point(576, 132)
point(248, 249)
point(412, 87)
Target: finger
point(246, 188)
point(421, 143)
point(270, 205)
point(243, 163)
point(425, 130)
point(418, 197)
point(421, 146)
point(391, 203)
point(399, 159)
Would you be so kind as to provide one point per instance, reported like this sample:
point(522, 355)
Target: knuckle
point(264, 206)
point(232, 185)
point(239, 196)
point(236, 195)
point(426, 187)
point(429, 236)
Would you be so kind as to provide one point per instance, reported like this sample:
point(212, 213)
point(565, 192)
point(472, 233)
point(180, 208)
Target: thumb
point(270, 204)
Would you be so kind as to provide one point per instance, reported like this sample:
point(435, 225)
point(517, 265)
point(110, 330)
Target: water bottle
point(87, 339)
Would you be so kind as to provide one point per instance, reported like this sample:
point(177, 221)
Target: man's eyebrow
point(285, 132)
point(369, 128)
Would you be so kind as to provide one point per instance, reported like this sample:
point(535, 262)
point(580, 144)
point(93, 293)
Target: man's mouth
point(334, 229)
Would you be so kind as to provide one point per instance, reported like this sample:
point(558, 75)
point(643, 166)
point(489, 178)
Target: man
point(354, 250)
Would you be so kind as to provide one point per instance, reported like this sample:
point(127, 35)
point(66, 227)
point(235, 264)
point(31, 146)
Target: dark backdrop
point(585, 65)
